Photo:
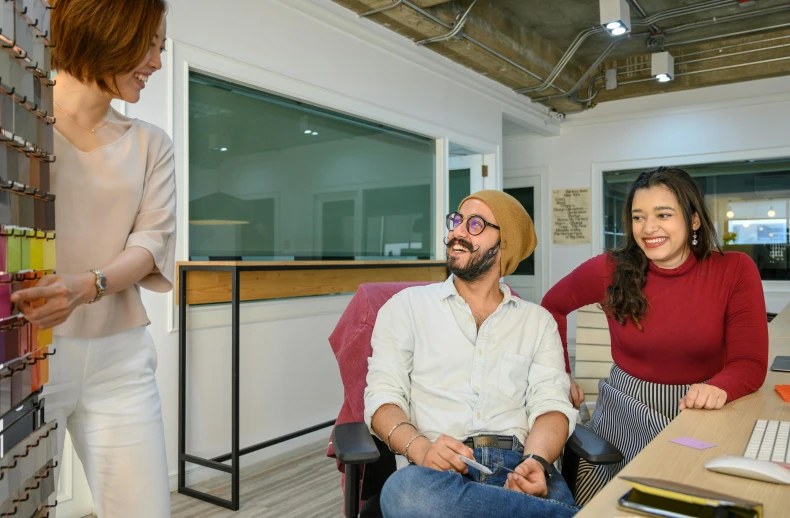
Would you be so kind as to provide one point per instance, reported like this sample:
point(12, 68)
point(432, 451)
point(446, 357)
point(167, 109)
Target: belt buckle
point(485, 441)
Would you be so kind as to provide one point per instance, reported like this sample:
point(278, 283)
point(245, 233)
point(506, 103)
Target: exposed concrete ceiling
point(520, 43)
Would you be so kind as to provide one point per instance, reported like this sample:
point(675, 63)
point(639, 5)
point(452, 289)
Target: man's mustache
point(457, 241)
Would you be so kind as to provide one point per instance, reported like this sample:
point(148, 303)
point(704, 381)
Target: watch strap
point(543, 462)
point(100, 283)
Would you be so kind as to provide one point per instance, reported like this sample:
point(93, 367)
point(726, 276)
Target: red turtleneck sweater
point(706, 320)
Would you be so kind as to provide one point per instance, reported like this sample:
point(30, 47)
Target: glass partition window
point(276, 179)
point(749, 202)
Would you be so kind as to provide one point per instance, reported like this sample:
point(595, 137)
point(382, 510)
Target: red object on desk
point(783, 391)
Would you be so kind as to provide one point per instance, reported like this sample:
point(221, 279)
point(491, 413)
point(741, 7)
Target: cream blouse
point(119, 195)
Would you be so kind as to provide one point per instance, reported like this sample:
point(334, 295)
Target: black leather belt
point(504, 442)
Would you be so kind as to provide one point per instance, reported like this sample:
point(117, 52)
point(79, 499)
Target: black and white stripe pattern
point(629, 414)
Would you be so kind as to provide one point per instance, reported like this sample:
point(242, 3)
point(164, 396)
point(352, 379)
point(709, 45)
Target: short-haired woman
point(687, 322)
point(115, 185)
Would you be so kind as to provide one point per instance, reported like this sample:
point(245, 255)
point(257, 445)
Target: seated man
point(465, 368)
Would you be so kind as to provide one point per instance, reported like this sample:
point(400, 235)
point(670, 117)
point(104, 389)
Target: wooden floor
point(308, 487)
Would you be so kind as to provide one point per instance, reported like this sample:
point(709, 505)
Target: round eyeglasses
point(475, 224)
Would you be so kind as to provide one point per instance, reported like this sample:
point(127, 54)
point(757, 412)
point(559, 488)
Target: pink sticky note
point(693, 443)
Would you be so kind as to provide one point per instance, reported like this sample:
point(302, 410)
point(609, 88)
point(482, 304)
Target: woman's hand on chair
point(442, 454)
point(576, 395)
point(705, 396)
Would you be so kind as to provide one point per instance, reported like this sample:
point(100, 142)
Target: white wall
point(320, 53)
point(734, 122)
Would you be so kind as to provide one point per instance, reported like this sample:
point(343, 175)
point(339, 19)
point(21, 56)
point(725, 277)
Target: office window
point(276, 179)
point(749, 202)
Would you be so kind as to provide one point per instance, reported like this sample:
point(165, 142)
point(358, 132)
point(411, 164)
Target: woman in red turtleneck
point(687, 322)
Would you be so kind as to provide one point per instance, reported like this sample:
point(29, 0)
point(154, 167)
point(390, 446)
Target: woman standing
point(687, 322)
point(115, 185)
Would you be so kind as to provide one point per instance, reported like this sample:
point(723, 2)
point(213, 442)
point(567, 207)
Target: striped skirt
point(629, 414)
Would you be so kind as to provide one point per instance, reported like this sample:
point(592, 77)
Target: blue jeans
point(418, 492)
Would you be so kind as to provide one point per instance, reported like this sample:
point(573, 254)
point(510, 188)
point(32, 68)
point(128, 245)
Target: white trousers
point(104, 391)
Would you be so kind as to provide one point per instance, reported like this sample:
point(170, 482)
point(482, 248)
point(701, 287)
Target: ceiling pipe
point(459, 25)
point(643, 14)
point(583, 35)
point(725, 67)
point(719, 36)
point(587, 74)
point(380, 10)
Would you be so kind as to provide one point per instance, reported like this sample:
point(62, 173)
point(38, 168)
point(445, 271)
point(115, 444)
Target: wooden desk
point(729, 428)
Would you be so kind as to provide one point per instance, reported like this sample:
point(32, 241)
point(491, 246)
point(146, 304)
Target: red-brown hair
point(96, 40)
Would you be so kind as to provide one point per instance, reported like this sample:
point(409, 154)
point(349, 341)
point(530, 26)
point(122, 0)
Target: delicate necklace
point(106, 118)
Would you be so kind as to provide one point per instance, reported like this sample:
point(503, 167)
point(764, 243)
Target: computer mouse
point(750, 468)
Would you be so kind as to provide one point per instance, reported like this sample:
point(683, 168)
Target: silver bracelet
point(389, 435)
point(406, 450)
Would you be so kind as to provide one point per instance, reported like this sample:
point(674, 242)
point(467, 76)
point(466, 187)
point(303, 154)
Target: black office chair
point(355, 447)
point(366, 457)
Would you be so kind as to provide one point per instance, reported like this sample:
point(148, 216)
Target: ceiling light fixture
point(307, 131)
point(730, 214)
point(771, 213)
point(615, 16)
point(662, 66)
point(315, 133)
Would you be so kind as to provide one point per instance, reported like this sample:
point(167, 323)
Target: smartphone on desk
point(781, 364)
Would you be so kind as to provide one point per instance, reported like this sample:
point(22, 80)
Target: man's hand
point(701, 395)
point(529, 479)
point(441, 455)
point(576, 395)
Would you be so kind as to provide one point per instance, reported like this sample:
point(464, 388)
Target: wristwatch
point(101, 285)
point(543, 462)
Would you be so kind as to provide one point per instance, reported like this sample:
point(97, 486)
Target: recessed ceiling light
point(315, 133)
point(223, 149)
point(307, 132)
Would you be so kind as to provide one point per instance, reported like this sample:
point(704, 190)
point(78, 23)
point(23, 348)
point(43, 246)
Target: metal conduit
point(548, 83)
point(455, 30)
point(681, 11)
point(380, 10)
point(586, 74)
point(581, 36)
point(739, 33)
point(762, 61)
point(729, 18)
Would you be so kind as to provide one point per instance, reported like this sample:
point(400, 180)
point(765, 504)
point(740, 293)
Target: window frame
point(183, 59)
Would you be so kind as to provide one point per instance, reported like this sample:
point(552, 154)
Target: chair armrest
point(353, 444)
point(593, 448)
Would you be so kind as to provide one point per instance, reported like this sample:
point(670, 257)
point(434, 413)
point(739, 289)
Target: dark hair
point(96, 40)
point(624, 297)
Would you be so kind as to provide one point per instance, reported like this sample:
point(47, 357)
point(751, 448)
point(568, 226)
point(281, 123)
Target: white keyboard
point(770, 441)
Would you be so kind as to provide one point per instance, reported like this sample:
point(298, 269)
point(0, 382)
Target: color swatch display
point(28, 443)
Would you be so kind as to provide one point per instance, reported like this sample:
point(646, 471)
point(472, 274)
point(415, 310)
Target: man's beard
point(479, 264)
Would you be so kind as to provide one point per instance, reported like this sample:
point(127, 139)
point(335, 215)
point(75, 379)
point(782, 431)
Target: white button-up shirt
point(451, 379)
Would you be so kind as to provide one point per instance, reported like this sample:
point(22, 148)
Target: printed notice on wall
point(570, 221)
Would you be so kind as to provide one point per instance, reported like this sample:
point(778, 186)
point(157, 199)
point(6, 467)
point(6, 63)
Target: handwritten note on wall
point(570, 216)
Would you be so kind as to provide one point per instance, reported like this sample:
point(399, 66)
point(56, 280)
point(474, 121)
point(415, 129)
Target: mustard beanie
point(518, 239)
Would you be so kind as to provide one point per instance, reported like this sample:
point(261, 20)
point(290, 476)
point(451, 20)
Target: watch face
point(103, 282)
